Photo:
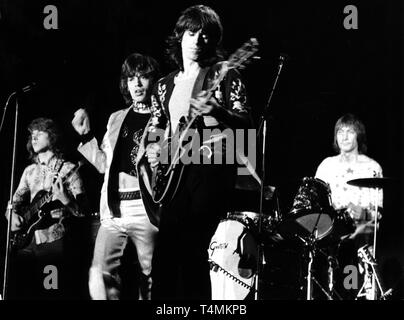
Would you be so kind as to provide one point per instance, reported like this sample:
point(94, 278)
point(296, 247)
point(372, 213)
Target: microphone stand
point(263, 127)
point(10, 202)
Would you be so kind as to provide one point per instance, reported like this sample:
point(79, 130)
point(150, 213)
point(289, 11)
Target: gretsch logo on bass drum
point(215, 245)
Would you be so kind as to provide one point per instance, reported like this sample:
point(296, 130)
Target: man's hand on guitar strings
point(152, 154)
point(201, 106)
point(59, 192)
point(16, 222)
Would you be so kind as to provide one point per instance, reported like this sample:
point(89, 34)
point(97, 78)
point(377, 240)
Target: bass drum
point(233, 254)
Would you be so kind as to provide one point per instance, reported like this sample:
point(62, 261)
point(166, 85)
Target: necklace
point(140, 107)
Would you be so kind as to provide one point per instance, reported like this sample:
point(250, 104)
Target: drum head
point(316, 224)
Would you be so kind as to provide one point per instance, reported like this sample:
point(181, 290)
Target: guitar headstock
point(243, 55)
point(236, 61)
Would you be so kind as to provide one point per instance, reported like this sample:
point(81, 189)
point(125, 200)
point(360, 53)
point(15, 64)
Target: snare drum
point(251, 219)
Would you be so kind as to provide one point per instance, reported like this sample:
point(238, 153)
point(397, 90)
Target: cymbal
point(247, 183)
point(372, 182)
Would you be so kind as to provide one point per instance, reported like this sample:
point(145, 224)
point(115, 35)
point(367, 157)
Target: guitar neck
point(210, 92)
point(236, 60)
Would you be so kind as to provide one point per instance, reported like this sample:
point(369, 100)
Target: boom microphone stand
point(10, 202)
point(10, 205)
point(263, 127)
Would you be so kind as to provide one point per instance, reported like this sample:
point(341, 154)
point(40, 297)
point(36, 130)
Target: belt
point(129, 195)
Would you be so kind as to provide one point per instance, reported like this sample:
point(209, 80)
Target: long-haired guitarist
point(123, 215)
point(188, 219)
point(49, 193)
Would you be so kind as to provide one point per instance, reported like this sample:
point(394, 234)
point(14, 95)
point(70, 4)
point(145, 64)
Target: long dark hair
point(350, 120)
point(137, 63)
point(196, 18)
point(50, 127)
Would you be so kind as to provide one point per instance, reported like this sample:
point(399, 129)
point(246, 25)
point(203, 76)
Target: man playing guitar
point(45, 177)
point(187, 221)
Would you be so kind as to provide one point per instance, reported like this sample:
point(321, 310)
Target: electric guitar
point(166, 178)
point(37, 214)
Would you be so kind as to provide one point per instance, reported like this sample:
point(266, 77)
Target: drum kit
point(236, 252)
point(237, 249)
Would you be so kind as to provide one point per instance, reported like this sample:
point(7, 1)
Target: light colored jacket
point(101, 156)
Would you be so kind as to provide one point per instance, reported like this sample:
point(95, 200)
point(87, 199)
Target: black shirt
point(129, 140)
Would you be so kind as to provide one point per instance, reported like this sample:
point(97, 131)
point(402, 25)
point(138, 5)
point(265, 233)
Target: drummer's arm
point(363, 217)
point(359, 213)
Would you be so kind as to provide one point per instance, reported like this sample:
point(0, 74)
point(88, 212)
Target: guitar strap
point(200, 79)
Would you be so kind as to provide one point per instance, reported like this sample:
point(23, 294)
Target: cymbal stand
point(370, 266)
point(374, 278)
point(369, 259)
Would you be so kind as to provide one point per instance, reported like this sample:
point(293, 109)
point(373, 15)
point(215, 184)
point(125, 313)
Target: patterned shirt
point(230, 94)
point(336, 173)
point(40, 176)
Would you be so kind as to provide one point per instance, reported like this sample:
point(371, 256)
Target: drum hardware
point(311, 250)
point(372, 278)
point(376, 183)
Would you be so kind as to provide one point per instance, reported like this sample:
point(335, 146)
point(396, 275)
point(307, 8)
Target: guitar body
point(37, 214)
point(39, 220)
point(167, 177)
point(166, 182)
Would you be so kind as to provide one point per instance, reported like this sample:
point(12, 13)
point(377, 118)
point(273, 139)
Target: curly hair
point(50, 127)
point(196, 18)
point(133, 64)
point(350, 120)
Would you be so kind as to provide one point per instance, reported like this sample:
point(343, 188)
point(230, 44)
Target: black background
point(331, 71)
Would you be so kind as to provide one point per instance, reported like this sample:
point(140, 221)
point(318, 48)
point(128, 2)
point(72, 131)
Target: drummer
point(352, 163)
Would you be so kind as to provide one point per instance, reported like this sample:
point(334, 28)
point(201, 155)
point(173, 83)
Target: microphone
point(283, 57)
point(25, 89)
point(28, 88)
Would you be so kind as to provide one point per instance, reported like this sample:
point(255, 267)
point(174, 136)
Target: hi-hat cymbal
point(247, 183)
point(372, 182)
